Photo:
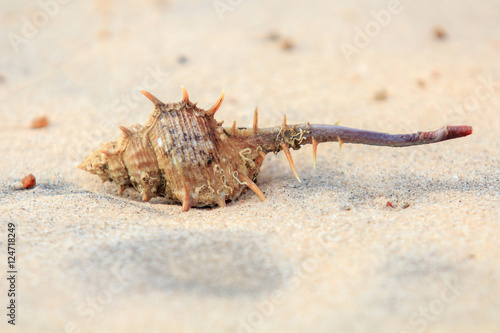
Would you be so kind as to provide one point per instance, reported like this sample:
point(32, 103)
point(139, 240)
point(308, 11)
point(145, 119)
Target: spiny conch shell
point(182, 153)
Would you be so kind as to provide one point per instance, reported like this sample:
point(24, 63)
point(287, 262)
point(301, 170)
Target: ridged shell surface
point(194, 155)
point(181, 153)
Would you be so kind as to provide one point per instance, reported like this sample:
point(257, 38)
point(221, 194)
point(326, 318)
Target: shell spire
point(125, 131)
point(255, 120)
point(210, 112)
point(286, 150)
point(152, 98)
point(121, 189)
point(251, 185)
point(315, 150)
point(185, 95)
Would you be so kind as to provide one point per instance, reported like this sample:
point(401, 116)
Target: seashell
point(182, 153)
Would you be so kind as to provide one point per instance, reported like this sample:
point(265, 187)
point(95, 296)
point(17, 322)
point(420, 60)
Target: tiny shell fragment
point(28, 181)
point(103, 34)
point(287, 44)
point(273, 36)
point(381, 95)
point(284, 43)
point(440, 33)
point(40, 122)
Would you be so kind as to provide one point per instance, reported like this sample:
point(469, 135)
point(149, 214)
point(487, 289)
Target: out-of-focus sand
point(322, 256)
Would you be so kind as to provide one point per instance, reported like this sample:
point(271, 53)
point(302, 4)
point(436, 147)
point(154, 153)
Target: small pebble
point(440, 33)
point(345, 207)
point(421, 83)
point(287, 44)
point(28, 181)
point(381, 95)
point(273, 36)
point(103, 34)
point(40, 122)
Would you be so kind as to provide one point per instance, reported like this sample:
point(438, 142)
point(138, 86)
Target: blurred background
point(328, 255)
point(316, 61)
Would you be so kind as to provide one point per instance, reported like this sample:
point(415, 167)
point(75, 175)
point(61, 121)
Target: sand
point(324, 255)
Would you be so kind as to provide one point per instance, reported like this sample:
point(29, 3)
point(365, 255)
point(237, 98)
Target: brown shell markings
point(182, 153)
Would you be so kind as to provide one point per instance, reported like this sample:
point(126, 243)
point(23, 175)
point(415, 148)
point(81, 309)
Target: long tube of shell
point(298, 135)
point(327, 133)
